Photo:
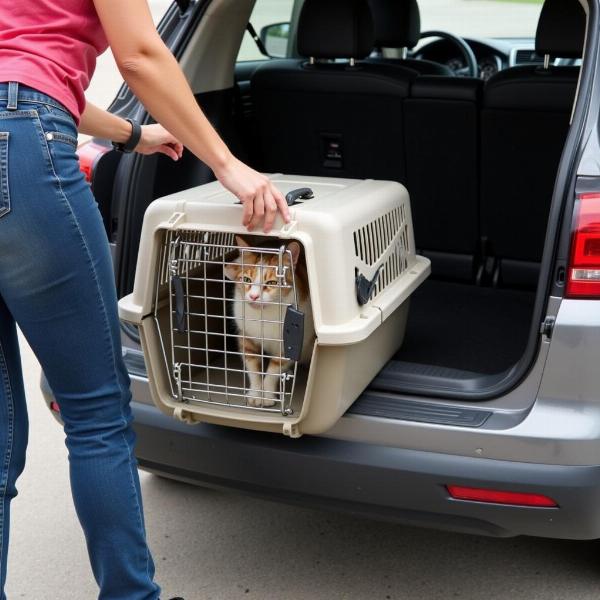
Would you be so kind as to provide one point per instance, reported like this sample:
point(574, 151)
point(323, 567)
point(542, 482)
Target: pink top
point(52, 46)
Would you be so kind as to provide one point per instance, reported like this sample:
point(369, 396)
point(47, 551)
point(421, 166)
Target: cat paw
point(270, 398)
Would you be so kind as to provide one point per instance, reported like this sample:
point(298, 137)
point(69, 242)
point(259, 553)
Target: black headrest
point(335, 29)
point(397, 23)
point(561, 29)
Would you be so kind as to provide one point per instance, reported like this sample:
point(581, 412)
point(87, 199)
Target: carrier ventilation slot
point(385, 242)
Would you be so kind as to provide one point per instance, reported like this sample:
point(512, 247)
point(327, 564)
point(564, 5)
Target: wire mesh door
point(235, 328)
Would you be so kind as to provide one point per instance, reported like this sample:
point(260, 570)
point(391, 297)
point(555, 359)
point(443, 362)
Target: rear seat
point(318, 117)
point(479, 161)
point(524, 124)
point(442, 153)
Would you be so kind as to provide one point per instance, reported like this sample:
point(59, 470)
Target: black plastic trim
point(379, 405)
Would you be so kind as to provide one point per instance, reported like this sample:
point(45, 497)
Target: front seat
point(398, 25)
point(320, 116)
point(525, 121)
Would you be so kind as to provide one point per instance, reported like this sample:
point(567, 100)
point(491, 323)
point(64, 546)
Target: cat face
point(257, 279)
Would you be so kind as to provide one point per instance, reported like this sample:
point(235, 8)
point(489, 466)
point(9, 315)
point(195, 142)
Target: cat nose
point(253, 296)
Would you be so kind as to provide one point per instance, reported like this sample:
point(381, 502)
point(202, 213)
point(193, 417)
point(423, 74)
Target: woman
point(56, 278)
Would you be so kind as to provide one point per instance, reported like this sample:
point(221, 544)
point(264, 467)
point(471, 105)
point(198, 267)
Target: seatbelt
point(261, 47)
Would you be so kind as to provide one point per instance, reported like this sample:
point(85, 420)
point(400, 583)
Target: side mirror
point(275, 39)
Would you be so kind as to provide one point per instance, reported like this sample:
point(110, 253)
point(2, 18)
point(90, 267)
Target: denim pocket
point(59, 136)
point(4, 188)
point(58, 126)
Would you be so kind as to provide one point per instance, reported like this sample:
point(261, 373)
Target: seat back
point(442, 147)
point(319, 116)
point(524, 124)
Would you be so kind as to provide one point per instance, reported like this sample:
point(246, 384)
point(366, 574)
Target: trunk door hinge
point(547, 327)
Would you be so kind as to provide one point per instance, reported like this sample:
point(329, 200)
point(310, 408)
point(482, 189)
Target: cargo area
point(475, 329)
point(479, 160)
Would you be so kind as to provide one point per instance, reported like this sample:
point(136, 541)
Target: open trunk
point(461, 335)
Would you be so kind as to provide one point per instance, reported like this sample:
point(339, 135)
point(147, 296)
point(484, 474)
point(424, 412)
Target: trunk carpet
point(466, 327)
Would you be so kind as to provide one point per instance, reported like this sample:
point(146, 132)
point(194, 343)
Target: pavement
point(212, 545)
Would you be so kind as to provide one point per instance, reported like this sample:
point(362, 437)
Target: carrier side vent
point(384, 243)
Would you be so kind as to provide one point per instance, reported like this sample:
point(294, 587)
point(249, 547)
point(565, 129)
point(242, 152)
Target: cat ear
point(241, 242)
point(294, 248)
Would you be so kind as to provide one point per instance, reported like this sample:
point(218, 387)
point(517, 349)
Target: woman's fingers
point(281, 203)
point(248, 203)
point(169, 151)
point(270, 211)
point(259, 210)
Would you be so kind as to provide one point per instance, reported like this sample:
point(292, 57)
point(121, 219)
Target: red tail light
point(89, 154)
point(499, 497)
point(583, 275)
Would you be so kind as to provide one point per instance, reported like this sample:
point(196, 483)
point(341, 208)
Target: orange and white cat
point(259, 306)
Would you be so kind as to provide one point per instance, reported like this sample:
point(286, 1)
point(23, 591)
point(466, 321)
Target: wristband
point(133, 141)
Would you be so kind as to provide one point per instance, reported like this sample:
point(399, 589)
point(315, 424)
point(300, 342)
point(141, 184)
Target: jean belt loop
point(13, 95)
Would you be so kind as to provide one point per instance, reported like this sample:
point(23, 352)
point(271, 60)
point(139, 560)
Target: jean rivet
point(49, 137)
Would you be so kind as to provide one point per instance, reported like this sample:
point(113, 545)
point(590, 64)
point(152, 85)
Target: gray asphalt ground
point(211, 545)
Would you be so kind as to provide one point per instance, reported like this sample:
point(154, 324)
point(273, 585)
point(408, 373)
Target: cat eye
point(272, 282)
point(246, 279)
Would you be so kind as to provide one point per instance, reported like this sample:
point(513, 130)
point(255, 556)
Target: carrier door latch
point(293, 333)
point(365, 287)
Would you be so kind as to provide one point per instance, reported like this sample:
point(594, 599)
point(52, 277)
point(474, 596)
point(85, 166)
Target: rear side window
point(271, 20)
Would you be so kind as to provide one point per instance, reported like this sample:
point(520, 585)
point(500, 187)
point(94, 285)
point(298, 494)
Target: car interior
point(478, 154)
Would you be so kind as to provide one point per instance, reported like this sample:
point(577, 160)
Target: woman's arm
point(101, 123)
point(156, 79)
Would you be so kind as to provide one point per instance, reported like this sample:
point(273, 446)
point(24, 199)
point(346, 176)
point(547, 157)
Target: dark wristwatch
point(133, 141)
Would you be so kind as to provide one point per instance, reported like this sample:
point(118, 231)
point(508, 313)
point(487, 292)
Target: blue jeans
point(57, 284)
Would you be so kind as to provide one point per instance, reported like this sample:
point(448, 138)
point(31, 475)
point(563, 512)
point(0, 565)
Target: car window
point(276, 13)
point(482, 18)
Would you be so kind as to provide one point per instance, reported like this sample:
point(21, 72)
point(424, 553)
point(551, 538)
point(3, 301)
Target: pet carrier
point(281, 332)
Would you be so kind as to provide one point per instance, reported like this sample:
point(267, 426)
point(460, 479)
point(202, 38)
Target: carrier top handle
point(304, 193)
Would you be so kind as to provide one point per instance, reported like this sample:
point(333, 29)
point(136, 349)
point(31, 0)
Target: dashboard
point(493, 55)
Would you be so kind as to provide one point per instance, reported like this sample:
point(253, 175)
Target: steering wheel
point(472, 68)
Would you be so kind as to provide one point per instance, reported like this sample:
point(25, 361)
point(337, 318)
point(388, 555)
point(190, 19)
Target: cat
point(260, 322)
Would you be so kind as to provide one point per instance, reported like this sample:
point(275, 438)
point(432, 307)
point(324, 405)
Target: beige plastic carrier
point(216, 352)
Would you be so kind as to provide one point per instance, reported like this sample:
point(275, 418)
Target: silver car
point(487, 420)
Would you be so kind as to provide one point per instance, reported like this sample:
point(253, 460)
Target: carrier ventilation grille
point(384, 242)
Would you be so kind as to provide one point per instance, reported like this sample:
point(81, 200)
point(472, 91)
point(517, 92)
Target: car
point(487, 420)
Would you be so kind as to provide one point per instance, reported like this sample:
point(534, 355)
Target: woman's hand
point(261, 199)
point(155, 138)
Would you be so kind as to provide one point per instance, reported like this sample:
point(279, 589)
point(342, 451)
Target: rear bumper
point(406, 486)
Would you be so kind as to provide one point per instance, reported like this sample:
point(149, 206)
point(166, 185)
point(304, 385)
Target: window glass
point(267, 12)
point(482, 18)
